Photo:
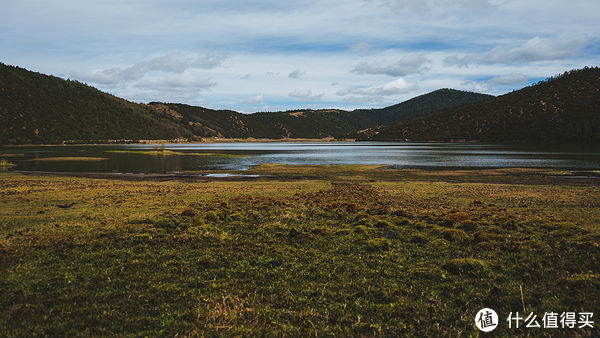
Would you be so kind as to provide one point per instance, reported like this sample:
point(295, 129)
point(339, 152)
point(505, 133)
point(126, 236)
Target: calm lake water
point(131, 159)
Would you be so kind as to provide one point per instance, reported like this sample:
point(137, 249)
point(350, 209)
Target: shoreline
point(281, 140)
point(181, 141)
point(344, 173)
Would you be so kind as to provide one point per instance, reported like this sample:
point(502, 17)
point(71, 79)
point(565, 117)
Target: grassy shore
point(302, 251)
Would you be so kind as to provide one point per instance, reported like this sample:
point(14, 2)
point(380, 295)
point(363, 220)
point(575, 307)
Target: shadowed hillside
point(37, 108)
point(439, 99)
point(295, 124)
point(309, 123)
point(564, 108)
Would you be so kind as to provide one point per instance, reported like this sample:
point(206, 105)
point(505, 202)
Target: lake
point(153, 158)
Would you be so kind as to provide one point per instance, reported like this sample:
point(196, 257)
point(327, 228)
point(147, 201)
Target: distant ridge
point(308, 123)
point(438, 99)
point(565, 108)
point(37, 108)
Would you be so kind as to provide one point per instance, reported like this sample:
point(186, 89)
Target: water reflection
point(131, 158)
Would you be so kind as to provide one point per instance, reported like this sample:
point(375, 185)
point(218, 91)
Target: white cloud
point(410, 64)
point(174, 62)
point(113, 75)
point(498, 84)
point(404, 5)
point(296, 74)
point(305, 95)
point(258, 99)
point(428, 6)
point(186, 80)
point(509, 79)
point(477, 86)
point(361, 47)
point(535, 49)
point(376, 93)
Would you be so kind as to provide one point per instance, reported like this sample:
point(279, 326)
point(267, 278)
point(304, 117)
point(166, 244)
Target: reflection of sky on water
point(397, 155)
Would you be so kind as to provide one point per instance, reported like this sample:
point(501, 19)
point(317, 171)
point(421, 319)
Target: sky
point(274, 55)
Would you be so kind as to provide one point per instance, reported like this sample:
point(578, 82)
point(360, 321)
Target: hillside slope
point(293, 124)
point(314, 123)
point(37, 108)
point(439, 99)
point(565, 108)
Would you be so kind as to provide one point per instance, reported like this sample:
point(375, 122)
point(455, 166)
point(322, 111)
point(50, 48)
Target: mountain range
point(42, 109)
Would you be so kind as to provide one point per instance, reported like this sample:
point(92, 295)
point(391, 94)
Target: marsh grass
point(300, 258)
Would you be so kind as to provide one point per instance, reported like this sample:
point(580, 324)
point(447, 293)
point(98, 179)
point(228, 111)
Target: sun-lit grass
point(347, 250)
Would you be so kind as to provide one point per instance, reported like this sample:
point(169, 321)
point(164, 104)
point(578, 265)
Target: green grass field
point(303, 251)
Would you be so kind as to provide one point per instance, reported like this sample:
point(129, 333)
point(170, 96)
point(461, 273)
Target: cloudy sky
point(274, 55)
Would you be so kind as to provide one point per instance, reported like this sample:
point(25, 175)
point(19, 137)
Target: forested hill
point(309, 123)
point(37, 108)
point(564, 108)
point(315, 123)
point(439, 99)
